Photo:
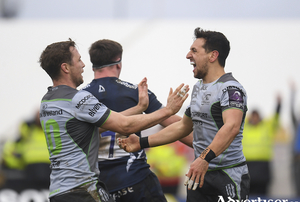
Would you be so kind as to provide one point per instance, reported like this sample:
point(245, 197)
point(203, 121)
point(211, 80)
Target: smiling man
point(216, 116)
point(71, 119)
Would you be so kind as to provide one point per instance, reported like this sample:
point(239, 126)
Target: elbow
point(126, 128)
point(235, 131)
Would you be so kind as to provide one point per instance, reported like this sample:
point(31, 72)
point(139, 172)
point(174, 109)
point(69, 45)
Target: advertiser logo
point(200, 115)
point(27, 195)
point(94, 110)
point(128, 85)
point(229, 199)
point(81, 102)
point(233, 88)
point(122, 192)
point(197, 123)
point(45, 113)
point(87, 86)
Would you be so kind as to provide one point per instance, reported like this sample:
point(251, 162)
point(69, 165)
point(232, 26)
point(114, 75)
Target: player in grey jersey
point(216, 116)
point(70, 120)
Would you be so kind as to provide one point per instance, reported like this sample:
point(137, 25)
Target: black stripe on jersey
point(81, 132)
point(216, 113)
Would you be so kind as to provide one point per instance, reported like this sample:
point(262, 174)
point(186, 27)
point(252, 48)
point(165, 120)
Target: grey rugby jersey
point(70, 120)
point(208, 101)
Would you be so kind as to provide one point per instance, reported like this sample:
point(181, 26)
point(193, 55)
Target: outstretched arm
point(130, 124)
point(187, 140)
point(173, 132)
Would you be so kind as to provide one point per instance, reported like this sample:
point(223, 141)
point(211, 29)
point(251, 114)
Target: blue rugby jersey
point(119, 169)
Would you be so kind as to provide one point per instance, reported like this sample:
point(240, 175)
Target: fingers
point(195, 186)
point(143, 84)
point(201, 181)
point(119, 142)
point(191, 182)
point(186, 181)
point(178, 88)
point(183, 92)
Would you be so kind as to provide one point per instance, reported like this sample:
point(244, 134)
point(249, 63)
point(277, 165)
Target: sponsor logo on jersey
point(199, 114)
point(197, 123)
point(82, 101)
point(94, 110)
point(128, 85)
point(233, 88)
point(88, 85)
point(45, 113)
point(236, 98)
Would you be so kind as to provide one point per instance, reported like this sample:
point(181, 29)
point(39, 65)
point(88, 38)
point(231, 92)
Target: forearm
point(133, 110)
point(188, 140)
point(223, 139)
point(168, 135)
point(135, 123)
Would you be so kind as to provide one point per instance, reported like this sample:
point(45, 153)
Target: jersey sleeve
point(233, 96)
point(188, 112)
point(154, 104)
point(87, 108)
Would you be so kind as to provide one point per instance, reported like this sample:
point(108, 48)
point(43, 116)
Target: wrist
point(144, 143)
point(168, 111)
point(207, 155)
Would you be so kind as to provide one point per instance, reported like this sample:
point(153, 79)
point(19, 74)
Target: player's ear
point(65, 67)
point(213, 55)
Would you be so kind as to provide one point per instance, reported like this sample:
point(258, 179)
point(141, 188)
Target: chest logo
point(101, 89)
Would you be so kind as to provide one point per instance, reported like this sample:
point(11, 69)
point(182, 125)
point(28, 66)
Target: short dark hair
point(54, 55)
point(214, 41)
point(104, 52)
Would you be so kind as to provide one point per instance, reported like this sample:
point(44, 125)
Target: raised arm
point(130, 124)
point(142, 104)
point(143, 100)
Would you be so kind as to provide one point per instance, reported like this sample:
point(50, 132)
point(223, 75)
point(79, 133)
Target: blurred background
point(156, 36)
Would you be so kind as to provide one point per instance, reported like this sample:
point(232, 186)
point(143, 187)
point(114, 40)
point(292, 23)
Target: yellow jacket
point(258, 139)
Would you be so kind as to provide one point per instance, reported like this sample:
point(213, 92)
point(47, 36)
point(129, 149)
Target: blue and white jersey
point(207, 104)
point(119, 169)
point(70, 120)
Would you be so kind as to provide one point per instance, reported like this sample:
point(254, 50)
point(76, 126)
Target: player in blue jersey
point(135, 182)
point(71, 121)
point(216, 116)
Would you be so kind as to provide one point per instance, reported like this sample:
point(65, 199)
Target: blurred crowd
point(25, 160)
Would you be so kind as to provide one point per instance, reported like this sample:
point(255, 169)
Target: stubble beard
point(202, 72)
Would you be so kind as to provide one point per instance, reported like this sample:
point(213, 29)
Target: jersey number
point(52, 135)
point(112, 142)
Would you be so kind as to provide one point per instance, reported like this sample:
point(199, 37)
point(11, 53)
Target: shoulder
point(228, 83)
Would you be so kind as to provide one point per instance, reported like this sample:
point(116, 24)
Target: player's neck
point(214, 74)
point(102, 74)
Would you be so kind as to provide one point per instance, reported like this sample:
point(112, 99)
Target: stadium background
point(156, 35)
